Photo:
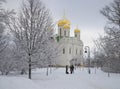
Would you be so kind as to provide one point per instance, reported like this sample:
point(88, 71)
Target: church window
point(63, 50)
point(76, 51)
point(80, 52)
point(75, 35)
point(69, 50)
point(65, 33)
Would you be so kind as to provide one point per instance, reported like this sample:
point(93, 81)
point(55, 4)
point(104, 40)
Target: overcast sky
point(84, 13)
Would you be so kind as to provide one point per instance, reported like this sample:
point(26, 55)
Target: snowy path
point(79, 80)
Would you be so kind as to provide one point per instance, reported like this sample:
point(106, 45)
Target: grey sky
point(84, 13)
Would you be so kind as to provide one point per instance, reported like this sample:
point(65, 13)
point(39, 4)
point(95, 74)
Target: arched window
point(69, 50)
point(76, 51)
point(80, 52)
point(63, 50)
point(75, 35)
point(65, 33)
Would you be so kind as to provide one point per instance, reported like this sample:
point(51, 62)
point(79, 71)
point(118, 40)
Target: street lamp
point(87, 50)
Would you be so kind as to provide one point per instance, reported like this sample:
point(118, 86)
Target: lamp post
point(87, 50)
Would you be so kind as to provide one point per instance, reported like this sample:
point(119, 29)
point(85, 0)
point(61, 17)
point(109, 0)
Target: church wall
point(64, 32)
point(68, 44)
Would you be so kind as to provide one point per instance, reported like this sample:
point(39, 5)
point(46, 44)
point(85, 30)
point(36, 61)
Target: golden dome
point(66, 26)
point(77, 30)
point(63, 22)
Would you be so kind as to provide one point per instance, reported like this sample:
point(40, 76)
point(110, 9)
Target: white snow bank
point(17, 83)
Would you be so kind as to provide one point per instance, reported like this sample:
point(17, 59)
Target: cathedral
point(71, 48)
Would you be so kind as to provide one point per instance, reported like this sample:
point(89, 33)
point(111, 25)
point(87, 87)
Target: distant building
point(71, 48)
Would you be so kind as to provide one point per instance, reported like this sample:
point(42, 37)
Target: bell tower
point(77, 33)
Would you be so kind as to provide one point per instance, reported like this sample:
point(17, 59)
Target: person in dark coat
point(67, 69)
point(71, 69)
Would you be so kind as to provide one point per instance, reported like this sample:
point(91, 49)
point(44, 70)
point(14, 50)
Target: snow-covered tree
point(5, 62)
point(109, 45)
point(32, 30)
point(3, 43)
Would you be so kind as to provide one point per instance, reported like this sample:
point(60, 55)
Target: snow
point(17, 83)
point(59, 80)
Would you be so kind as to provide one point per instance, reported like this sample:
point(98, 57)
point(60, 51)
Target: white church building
point(71, 48)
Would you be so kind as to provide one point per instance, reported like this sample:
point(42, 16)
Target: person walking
point(67, 69)
point(71, 69)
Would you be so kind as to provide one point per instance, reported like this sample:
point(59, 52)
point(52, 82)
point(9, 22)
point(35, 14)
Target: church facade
point(71, 48)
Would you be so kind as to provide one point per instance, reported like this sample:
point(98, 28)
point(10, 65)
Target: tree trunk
point(50, 69)
point(47, 71)
point(29, 67)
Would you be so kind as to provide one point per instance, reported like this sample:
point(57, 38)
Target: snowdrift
point(17, 83)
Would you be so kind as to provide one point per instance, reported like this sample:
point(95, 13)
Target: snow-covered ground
point(17, 83)
point(59, 80)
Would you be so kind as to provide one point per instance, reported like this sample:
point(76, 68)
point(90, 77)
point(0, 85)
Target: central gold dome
point(63, 22)
point(67, 26)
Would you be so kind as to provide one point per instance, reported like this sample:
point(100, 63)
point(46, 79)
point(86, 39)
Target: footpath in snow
point(59, 80)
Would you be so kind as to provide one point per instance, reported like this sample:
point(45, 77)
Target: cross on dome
point(64, 22)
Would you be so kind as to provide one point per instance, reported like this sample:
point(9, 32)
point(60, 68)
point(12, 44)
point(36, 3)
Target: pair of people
point(71, 69)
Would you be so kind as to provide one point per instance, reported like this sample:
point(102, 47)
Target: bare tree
point(109, 44)
point(112, 12)
point(3, 16)
point(52, 52)
point(6, 63)
point(32, 30)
